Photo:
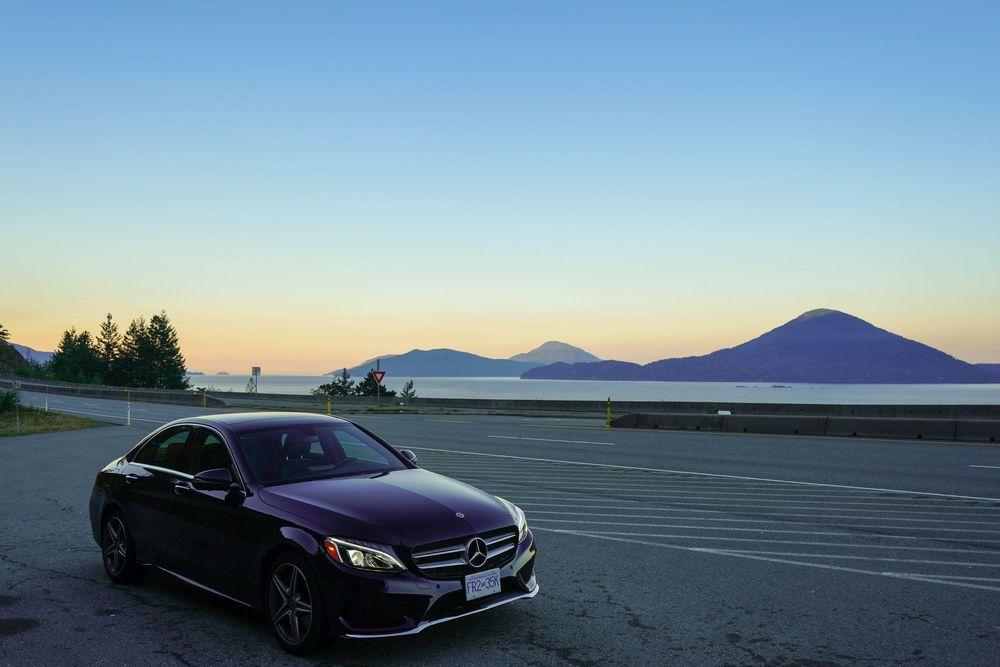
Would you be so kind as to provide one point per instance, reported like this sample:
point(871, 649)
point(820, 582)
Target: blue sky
point(641, 179)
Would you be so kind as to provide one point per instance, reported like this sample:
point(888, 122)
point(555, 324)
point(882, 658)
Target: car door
point(208, 533)
point(150, 505)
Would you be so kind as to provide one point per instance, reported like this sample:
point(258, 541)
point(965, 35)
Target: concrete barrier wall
point(114, 393)
point(948, 422)
point(627, 407)
point(981, 430)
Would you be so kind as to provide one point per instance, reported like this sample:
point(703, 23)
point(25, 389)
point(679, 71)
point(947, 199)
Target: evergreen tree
point(4, 334)
point(109, 343)
point(408, 391)
point(76, 359)
point(342, 385)
point(369, 387)
point(168, 365)
point(136, 360)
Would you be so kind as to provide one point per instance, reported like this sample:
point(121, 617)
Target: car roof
point(248, 421)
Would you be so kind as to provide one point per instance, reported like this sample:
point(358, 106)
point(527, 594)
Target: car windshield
point(310, 451)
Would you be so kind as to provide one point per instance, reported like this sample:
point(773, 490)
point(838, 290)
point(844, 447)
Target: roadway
point(687, 548)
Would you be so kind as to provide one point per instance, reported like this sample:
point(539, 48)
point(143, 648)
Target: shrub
point(9, 399)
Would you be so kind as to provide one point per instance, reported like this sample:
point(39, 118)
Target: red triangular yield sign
point(378, 375)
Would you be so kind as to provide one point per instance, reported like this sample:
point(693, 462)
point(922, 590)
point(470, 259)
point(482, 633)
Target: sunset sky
point(303, 186)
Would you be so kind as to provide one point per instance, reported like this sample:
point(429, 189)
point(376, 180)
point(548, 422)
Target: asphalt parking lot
point(667, 547)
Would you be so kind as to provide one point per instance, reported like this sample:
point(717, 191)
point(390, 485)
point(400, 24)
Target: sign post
point(378, 375)
point(255, 378)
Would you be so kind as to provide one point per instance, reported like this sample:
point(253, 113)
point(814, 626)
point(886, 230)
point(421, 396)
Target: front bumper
point(364, 605)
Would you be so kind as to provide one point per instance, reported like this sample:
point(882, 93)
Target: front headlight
point(519, 519)
point(362, 556)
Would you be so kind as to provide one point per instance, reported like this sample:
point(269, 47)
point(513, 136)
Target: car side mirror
point(410, 456)
point(217, 479)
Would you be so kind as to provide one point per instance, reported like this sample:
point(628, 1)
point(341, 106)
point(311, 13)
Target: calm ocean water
point(927, 394)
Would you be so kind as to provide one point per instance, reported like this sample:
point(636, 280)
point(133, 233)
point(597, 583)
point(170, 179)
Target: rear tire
point(118, 550)
point(294, 605)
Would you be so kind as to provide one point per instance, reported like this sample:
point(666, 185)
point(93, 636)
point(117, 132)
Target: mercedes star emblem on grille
point(475, 552)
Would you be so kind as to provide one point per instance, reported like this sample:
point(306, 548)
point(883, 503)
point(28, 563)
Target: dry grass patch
point(34, 420)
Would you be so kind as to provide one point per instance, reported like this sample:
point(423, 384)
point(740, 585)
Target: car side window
point(166, 450)
point(209, 452)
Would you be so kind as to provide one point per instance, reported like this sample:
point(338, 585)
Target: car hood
point(409, 507)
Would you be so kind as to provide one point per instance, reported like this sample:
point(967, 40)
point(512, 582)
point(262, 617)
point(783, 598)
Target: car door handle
point(131, 477)
point(181, 487)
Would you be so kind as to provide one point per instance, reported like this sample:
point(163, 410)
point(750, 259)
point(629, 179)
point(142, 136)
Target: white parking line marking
point(763, 496)
point(833, 503)
point(575, 442)
point(992, 467)
point(767, 530)
point(588, 513)
point(450, 421)
point(530, 495)
point(824, 566)
point(956, 576)
point(824, 517)
point(885, 559)
point(712, 538)
point(704, 474)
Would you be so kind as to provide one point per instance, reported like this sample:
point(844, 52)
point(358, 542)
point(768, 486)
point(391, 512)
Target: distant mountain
point(554, 352)
point(442, 362)
point(194, 373)
point(31, 354)
point(10, 358)
point(818, 346)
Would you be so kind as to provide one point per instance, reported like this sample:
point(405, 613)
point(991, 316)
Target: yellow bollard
point(607, 421)
point(204, 399)
point(328, 411)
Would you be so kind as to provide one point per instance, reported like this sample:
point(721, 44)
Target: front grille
point(446, 560)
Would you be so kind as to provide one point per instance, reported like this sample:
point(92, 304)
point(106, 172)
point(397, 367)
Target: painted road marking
point(514, 486)
point(633, 508)
point(766, 530)
point(711, 538)
point(696, 507)
point(737, 554)
point(993, 467)
point(574, 442)
point(450, 421)
point(701, 474)
point(770, 495)
point(886, 559)
point(778, 521)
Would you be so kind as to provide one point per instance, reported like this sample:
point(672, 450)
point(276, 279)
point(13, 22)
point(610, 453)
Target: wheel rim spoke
point(292, 602)
point(115, 547)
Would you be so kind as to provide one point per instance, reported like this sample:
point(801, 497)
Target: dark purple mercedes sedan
point(315, 521)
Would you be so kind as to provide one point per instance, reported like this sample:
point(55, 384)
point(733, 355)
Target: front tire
point(118, 550)
point(294, 605)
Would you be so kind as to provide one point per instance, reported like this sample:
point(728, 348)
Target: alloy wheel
point(115, 546)
point(290, 603)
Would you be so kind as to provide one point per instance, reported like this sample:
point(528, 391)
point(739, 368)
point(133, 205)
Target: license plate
point(481, 584)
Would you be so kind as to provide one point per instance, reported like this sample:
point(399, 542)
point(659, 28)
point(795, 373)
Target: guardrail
point(625, 407)
point(115, 393)
point(939, 422)
point(862, 426)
